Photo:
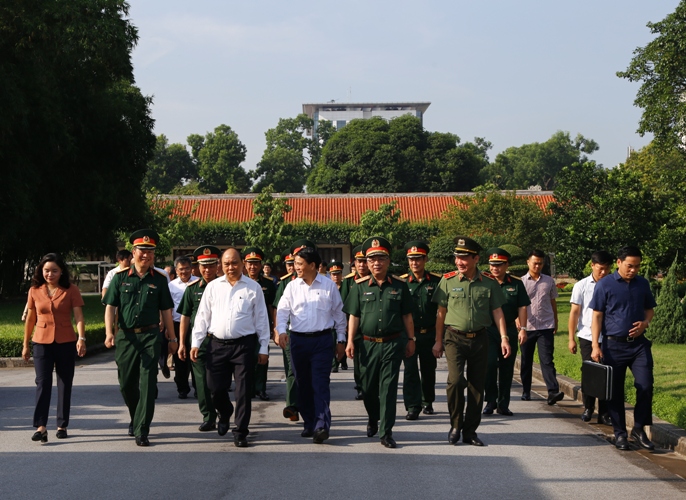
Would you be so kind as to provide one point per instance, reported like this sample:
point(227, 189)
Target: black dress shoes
point(428, 410)
point(488, 409)
point(504, 411)
point(474, 441)
point(555, 397)
point(604, 419)
point(586, 415)
point(142, 441)
point(131, 429)
point(61, 434)
point(621, 443)
point(640, 436)
point(307, 433)
point(240, 441)
point(291, 413)
point(412, 415)
point(372, 429)
point(334, 369)
point(344, 364)
point(40, 436)
point(360, 395)
point(207, 426)
point(263, 396)
point(165, 371)
point(183, 395)
point(320, 435)
point(526, 396)
point(388, 442)
point(453, 436)
point(223, 427)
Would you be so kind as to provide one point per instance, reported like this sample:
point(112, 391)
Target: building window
point(340, 124)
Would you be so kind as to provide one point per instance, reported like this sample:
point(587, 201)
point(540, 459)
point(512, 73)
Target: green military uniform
point(421, 392)
point(381, 309)
point(501, 370)
point(469, 305)
point(346, 286)
point(137, 343)
point(291, 388)
point(189, 307)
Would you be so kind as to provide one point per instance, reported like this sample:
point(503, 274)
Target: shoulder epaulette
point(515, 277)
point(363, 279)
point(284, 277)
point(351, 275)
point(399, 278)
point(404, 276)
point(488, 275)
point(450, 274)
point(196, 282)
point(436, 274)
point(122, 270)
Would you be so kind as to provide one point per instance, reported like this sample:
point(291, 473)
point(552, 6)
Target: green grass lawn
point(669, 400)
point(12, 329)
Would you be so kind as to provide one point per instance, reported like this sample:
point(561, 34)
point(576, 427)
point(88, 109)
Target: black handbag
point(596, 380)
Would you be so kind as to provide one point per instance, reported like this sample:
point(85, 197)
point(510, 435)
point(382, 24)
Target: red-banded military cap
point(253, 254)
point(287, 257)
point(207, 254)
point(301, 245)
point(144, 238)
point(416, 248)
point(358, 253)
point(376, 245)
point(497, 255)
point(466, 246)
point(335, 266)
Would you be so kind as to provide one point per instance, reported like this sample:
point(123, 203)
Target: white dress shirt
point(311, 308)
point(582, 293)
point(232, 311)
point(177, 288)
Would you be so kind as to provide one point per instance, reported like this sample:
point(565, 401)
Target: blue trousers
point(638, 357)
point(311, 359)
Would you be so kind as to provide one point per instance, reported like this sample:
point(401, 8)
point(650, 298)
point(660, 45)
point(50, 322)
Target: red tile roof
point(334, 207)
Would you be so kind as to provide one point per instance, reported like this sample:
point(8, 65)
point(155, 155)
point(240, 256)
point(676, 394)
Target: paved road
point(541, 452)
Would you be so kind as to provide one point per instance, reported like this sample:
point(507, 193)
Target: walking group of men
point(218, 327)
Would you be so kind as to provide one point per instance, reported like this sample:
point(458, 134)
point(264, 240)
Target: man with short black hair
point(541, 327)
point(623, 306)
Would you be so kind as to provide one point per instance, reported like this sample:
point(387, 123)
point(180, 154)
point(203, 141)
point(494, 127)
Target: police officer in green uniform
point(500, 369)
point(291, 410)
point(253, 258)
point(380, 307)
point(361, 270)
point(466, 300)
point(207, 257)
point(140, 293)
point(421, 392)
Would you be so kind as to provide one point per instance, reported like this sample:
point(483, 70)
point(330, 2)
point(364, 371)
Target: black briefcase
point(596, 380)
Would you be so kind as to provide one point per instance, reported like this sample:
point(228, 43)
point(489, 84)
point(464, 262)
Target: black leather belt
point(230, 341)
point(469, 335)
point(142, 329)
point(619, 339)
point(312, 334)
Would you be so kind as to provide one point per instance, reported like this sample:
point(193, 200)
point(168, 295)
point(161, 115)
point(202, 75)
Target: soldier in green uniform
point(500, 369)
point(468, 302)
point(420, 392)
point(361, 270)
point(253, 257)
point(140, 293)
point(207, 257)
point(380, 307)
point(291, 410)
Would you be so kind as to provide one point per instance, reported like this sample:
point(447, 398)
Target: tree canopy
point(218, 156)
point(75, 132)
point(170, 167)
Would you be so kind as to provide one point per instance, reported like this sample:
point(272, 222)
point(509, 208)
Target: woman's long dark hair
point(38, 280)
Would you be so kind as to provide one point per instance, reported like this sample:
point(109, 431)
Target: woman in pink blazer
point(51, 303)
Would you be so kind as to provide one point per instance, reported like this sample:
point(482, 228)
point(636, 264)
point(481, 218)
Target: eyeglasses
point(146, 250)
point(377, 258)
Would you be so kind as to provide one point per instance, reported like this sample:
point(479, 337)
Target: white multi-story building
point(341, 113)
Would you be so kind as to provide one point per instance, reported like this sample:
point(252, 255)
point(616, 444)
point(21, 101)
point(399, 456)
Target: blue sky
point(513, 72)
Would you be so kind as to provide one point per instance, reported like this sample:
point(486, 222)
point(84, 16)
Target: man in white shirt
point(177, 287)
point(313, 306)
point(124, 260)
point(580, 319)
point(232, 312)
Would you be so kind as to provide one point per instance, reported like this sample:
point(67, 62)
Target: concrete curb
point(663, 434)
point(20, 363)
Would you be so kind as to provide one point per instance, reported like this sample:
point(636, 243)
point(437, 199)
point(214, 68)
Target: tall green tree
point(451, 166)
point(218, 156)
point(75, 132)
point(537, 163)
point(267, 229)
point(669, 324)
point(385, 221)
point(661, 67)
point(171, 167)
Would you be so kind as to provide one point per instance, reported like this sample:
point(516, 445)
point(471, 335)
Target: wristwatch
point(173, 340)
point(342, 342)
point(412, 338)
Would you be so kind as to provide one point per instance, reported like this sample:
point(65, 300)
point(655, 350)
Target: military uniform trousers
point(586, 348)
point(638, 357)
point(61, 357)
point(500, 370)
point(182, 368)
point(461, 351)
point(357, 364)
point(420, 391)
point(380, 373)
point(291, 387)
point(311, 357)
point(136, 355)
point(205, 405)
point(545, 339)
point(225, 359)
